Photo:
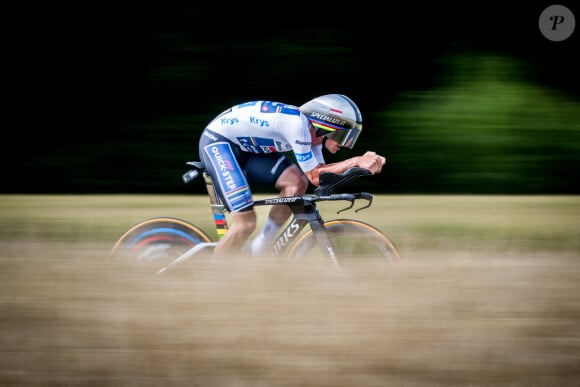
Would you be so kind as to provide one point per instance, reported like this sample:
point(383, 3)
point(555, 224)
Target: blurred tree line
point(460, 98)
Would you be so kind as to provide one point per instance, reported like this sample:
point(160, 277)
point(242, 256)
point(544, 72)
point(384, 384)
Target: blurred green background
point(473, 99)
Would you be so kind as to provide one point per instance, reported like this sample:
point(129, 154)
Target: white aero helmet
point(335, 116)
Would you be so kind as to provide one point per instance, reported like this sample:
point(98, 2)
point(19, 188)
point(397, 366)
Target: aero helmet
point(335, 116)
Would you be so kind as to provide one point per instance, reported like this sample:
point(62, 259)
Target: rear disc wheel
point(158, 241)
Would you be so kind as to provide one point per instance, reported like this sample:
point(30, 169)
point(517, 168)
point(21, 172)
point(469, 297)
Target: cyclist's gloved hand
point(372, 161)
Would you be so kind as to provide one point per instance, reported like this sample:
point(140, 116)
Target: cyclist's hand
point(372, 161)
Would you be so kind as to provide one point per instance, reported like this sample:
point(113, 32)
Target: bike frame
point(304, 209)
point(305, 213)
point(305, 230)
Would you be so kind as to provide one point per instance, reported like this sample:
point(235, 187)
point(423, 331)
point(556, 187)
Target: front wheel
point(158, 241)
point(355, 243)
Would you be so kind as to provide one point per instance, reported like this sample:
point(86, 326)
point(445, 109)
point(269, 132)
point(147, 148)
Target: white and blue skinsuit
point(250, 142)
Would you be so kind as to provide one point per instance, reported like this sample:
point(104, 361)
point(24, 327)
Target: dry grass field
point(487, 294)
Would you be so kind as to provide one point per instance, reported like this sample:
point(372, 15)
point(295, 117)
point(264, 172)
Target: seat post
point(217, 207)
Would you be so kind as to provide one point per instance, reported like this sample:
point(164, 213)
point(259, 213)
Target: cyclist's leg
point(278, 171)
point(292, 182)
point(232, 187)
point(242, 226)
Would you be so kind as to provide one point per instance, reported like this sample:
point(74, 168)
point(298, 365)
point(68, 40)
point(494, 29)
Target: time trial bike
point(168, 241)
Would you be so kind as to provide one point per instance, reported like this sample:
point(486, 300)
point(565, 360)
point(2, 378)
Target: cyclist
point(250, 143)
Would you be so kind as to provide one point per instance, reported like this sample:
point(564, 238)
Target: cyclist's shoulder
point(271, 114)
point(264, 115)
point(268, 107)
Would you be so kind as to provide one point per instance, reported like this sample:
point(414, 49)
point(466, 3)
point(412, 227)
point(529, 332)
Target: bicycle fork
point(323, 240)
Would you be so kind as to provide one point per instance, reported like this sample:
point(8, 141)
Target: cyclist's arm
point(370, 160)
point(339, 167)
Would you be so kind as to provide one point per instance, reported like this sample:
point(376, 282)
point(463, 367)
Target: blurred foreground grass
point(486, 295)
point(412, 221)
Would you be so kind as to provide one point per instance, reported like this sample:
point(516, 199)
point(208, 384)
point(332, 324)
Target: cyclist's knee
point(292, 182)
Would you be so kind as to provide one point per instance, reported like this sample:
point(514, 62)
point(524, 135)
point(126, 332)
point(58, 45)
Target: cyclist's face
point(331, 145)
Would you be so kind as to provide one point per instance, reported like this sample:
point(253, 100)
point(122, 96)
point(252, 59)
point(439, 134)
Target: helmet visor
point(346, 137)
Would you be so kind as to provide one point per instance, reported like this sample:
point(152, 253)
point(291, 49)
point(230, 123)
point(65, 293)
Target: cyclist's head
point(335, 116)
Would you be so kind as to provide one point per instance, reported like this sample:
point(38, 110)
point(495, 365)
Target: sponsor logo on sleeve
point(307, 143)
point(301, 157)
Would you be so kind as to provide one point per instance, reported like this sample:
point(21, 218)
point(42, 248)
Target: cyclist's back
point(267, 127)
